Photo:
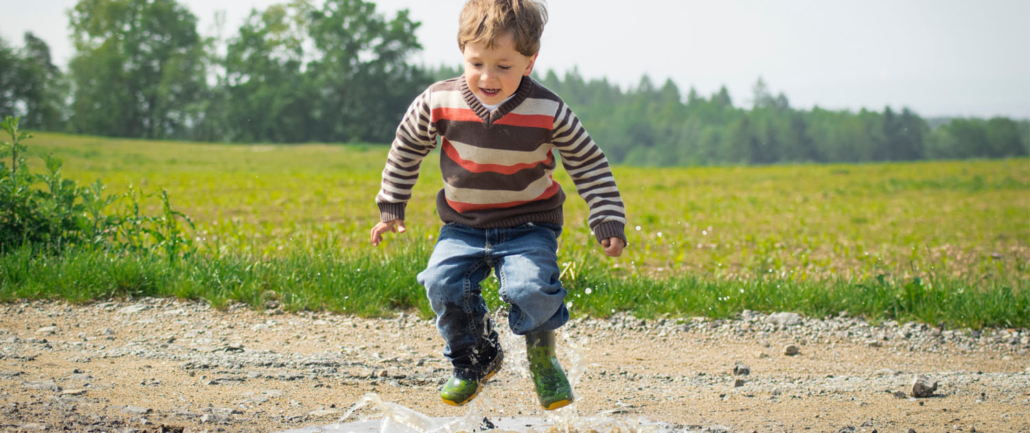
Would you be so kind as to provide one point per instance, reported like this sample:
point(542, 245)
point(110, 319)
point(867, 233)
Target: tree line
point(341, 72)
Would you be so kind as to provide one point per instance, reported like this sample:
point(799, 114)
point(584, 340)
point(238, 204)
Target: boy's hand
point(396, 226)
point(613, 246)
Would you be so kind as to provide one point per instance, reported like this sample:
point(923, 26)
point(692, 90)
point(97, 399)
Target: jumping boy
point(501, 208)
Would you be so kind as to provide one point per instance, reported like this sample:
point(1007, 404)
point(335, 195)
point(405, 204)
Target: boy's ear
point(529, 69)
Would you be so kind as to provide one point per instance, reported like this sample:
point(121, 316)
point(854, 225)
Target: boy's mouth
point(490, 92)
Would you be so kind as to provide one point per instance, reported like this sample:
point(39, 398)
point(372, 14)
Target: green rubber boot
point(552, 387)
point(458, 391)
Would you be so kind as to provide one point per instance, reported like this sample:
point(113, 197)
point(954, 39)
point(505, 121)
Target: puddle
point(380, 416)
point(394, 418)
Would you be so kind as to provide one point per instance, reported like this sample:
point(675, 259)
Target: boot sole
point(557, 404)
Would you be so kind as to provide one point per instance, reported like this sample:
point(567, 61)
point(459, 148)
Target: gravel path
point(171, 365)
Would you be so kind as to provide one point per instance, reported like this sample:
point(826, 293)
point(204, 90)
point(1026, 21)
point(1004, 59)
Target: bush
point(50, 213)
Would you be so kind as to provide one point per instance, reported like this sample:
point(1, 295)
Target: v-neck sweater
point(497, 165)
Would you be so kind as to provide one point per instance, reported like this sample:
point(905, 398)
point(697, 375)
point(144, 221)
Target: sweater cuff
point(610, 229)
point(390, 211)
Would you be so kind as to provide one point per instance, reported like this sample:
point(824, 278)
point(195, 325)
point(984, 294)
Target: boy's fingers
point(400, 226)
point(605, 243)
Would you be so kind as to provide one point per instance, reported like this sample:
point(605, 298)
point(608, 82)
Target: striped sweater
point(497, 166)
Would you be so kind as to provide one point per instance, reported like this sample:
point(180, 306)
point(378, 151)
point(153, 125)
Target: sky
point(936, 57)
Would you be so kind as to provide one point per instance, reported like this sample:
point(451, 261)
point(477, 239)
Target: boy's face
point(494, 74)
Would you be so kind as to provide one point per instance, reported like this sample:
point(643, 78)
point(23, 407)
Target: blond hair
point(488, 20)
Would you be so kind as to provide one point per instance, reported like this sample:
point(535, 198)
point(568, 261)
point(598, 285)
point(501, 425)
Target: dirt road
point(169, 365)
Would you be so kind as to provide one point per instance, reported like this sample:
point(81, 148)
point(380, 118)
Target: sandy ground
point(168, 365)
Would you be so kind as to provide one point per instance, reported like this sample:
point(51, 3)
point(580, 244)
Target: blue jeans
point(526, 263)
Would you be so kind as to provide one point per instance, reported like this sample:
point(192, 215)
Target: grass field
point(931, 241)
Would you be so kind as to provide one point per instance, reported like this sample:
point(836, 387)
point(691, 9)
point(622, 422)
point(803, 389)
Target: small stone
point(738, 383)
point(49, 330)
point(45, 385)
point(760, 355)
point(133, 410)
point(847, 429)
point(923, 386)
point(741, 369)
point(73, 392)
point(132, 309)
point(784, 319)
point(791, 350)
point(383, 373)
point(323, 413)
point(875, 343)
point(33, 426)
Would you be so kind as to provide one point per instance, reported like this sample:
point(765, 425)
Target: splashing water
point(399, 419)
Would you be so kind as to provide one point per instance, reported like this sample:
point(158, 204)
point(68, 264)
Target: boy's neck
point(493, 107)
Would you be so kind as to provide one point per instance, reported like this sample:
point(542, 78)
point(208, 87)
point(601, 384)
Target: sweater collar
point(489, 117)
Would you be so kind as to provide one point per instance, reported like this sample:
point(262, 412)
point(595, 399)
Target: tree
point(139, 70)
point(9, 77)
point(364, 82)
point(42, 86)
point(266, 54)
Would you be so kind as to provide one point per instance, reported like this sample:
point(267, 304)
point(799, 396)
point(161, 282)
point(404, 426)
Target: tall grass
point(288, 226)
point(383, 284)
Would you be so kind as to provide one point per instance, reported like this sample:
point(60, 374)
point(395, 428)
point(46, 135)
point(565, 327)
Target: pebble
point(923, 386)
point(323, 413)
point(49, 330)
point(741, 369)
point(42, 386)
point(739, 382)
point(784, 319)
point(73, 392)
point(791, 350)
point(132, 309)
point(134, 410)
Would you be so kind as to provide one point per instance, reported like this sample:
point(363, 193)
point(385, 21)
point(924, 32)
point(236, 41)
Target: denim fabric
point(526, 263)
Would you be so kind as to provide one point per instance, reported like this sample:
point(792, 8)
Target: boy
point(500, 207)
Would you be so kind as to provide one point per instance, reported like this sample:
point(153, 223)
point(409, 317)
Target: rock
point(132, 309)
point(133, 410)
point(760, 355)
point(33, 427)
point(791, 350)
point(740, 369)
point(214, 418)
point(847, 429)
point(49, 330)
point(923, 386)
point(784, 319)
point(42, 385)
point(738, 383)
point(323, 413)
point(73, 392)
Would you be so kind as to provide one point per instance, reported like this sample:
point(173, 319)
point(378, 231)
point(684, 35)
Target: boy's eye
point(504, 68)
point(476, 64)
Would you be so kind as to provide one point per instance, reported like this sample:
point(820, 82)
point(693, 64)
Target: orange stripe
point(475, 167)
point(466, 207)
point(455, 115)
point(527, 120)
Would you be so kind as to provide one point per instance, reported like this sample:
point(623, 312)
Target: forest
point(342, 73)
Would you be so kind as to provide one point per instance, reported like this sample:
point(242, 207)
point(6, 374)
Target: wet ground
point(168, 365)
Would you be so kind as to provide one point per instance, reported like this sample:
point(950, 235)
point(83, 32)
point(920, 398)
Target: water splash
point(396, 418)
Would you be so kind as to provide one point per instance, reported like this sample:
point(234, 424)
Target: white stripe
point(582, 171)
point(448, 99)
point(536, 107)
point(481, 196)
point(480, 155)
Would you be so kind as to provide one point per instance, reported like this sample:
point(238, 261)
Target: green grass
point(930, 241)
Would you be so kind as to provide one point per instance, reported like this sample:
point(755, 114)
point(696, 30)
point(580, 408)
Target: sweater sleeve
point(589, 169)
point(416, 137)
